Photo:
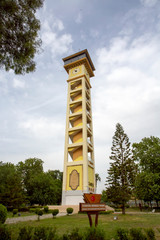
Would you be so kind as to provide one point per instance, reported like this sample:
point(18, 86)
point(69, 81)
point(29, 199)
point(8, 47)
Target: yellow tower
point(79, 173)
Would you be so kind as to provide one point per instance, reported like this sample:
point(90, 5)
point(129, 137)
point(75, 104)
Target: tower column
point(79, 173)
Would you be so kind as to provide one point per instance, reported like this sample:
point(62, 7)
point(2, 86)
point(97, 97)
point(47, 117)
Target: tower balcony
point(76, 106)
point(76, 152)
point(75, 85)
point(76, 94)
point(75, 120)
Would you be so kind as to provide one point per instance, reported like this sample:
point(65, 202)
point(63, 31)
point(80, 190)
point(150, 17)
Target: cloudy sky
point(123, 39)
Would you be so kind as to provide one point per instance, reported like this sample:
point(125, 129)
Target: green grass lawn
point(23, 214)
point(106, 222)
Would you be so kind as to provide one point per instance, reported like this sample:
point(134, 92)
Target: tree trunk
point(135, 201)
point(123, 209)
point(157, 203)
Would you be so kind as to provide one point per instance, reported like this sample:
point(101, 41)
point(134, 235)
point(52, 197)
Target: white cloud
point(58, 24)
point(57, 42)
point(18, 83)
point(126, 89)
point(43, 128)
point(149, 3)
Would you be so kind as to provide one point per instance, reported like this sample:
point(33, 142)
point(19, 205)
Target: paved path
point(30, 218)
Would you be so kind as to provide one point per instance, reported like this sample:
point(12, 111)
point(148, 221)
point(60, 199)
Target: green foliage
point(23, 209)
point(134, 234)
point(19, 39)
point(36, 210)
point(137, 234)
point(46, 209)
point(40, 233)
point(94, 234)
point(55, 212)
point(28, 183)
point(106, 212)
point(4, 233)
point(57, 177)
point(44, 233)
point(147, 184)
point(104, 198)
point(147, 153)
point(73, 235)
point(122, 172)
point(25, 233)
point(32, 210)
point(11, 189)
point(121, 234)
point(15, 211)
point(97, 178)
point(3, 213)
point(69, 210)
point(42, 189)
point(40, 212)
point(150, 234)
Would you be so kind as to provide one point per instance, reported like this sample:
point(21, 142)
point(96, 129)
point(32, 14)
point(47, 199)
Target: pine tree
point(121, 173)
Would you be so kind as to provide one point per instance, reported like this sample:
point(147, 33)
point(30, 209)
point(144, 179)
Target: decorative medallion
point(74, 180)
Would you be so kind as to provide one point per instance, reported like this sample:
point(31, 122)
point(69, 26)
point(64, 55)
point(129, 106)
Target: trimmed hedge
point(55, 212)
point(3, 213)
point(15, 211)
point(46, 209)
point(69, 210)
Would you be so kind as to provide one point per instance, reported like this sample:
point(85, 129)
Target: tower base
point(72, 197)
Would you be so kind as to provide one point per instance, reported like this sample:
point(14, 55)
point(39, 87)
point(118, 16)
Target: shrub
point(36, 210)
point(23, 209)
point(44, 233)
point(137, 234)
point(4, 233)
point(121, 234)
point(52, 234)
point(150, 234)
point(3, 213)
point(40, 233)
point(74, 235)
point(39, 213)
point(55, 212)
point(69, 211)
point(107, 212)
point(25, 233)
point(32, 210)
point(15, 211)
point(94, 234)
point(118, 210)
point(46, 208)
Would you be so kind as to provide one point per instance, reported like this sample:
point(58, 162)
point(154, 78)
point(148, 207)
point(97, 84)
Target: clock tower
point(78, 172)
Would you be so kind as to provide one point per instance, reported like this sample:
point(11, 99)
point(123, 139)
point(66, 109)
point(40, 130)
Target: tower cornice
point(77, 59)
